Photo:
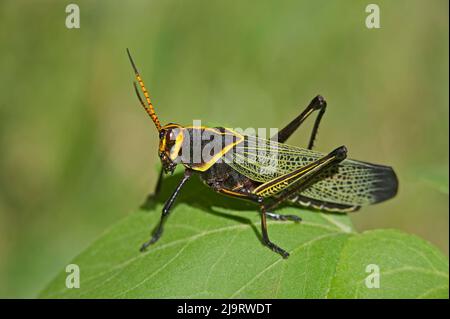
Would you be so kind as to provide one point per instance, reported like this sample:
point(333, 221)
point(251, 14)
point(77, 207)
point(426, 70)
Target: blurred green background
point(78, 153)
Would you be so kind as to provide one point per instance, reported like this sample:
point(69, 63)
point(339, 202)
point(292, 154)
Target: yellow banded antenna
point(149, 107)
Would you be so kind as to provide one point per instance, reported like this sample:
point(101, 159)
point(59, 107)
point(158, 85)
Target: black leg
point(265, 236)
point(318, 103)
point(166, 210)
point(281, 217)
point(316, 125)
point(264, 214)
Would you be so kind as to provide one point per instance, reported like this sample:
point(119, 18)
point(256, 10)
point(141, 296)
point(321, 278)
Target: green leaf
point(211, 248)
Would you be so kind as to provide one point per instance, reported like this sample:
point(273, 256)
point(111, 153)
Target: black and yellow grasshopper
point(267, 171)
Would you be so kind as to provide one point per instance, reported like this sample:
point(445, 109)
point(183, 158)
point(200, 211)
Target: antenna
point(149, 107)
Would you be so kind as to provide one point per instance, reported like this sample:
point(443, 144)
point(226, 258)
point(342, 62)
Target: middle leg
point(258, 199)
point(265, 236)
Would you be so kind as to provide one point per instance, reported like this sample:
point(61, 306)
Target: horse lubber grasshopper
point(267, 171)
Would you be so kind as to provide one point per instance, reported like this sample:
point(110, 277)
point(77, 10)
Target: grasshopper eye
point(161, 134)
point(170, 135)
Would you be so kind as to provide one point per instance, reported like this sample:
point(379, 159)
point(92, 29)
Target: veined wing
point(352, 183)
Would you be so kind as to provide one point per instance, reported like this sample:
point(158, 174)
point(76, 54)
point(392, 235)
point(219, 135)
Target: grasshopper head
point(171, 138)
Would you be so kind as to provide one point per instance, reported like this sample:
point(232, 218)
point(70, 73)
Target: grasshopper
point(267, 172)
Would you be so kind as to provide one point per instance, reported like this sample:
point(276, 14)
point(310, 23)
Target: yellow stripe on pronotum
point(207, 164)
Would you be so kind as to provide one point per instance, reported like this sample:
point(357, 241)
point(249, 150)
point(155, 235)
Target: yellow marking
point(239, 185)
point(309, 113)
point(215, 130)
point(231, 193)
point(205, 166)
point(162, 145)
point(268, 189)
point(171, 126)
point(178, 143)
point(285, 181)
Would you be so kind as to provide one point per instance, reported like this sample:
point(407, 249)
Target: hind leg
point(281, 217)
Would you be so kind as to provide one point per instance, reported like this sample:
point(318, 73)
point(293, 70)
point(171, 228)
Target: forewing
point(352, 182)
